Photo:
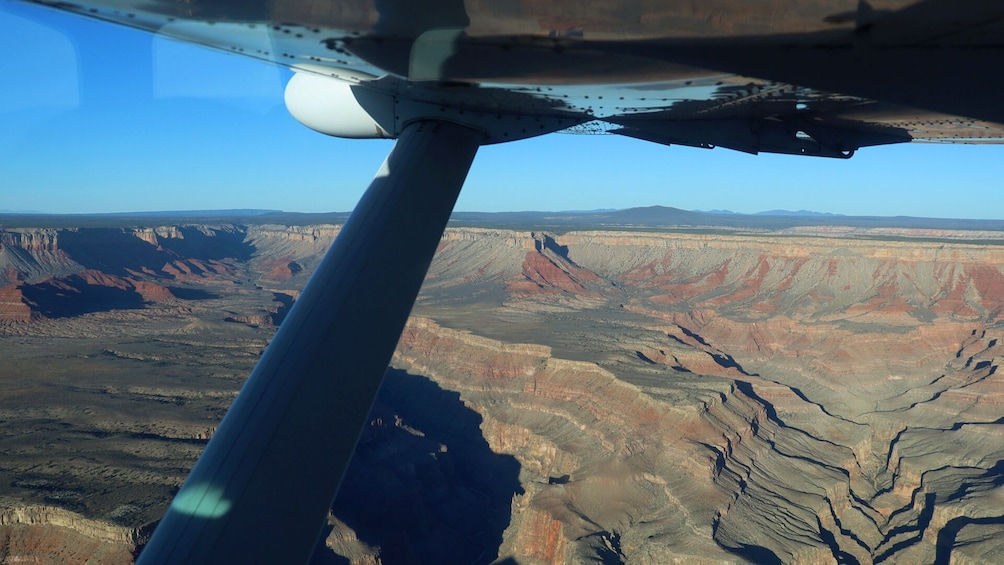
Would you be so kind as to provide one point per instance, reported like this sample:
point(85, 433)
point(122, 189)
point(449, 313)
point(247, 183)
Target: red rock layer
point(55, 544)
point(12, 305)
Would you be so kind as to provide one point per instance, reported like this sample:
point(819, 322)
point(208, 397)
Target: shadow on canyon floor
point(119, 252)
point(186, 293)
point(424, 486)
point(73, 296)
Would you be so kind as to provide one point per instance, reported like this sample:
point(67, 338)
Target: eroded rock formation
point(46, 534)
point(838, 351)
point(53, 273)
point(590, 396)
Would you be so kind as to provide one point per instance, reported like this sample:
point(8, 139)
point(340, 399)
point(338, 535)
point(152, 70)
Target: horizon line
point(252, 212)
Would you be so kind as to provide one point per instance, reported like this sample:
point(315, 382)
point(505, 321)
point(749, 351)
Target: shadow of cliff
point(220, 244)
point(72, 296)
point(120, 252)
point(186, 293)
point(424, 486)
point(111, 251)
point(919, 527)
point(285, 305)
point(948, 535)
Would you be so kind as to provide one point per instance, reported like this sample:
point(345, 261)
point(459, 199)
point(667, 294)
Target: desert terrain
point(605, 392)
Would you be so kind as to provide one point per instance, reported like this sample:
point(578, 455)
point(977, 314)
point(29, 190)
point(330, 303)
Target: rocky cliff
point(801, 397)
point(46, 534)
point(862, 413)
point(54, 273)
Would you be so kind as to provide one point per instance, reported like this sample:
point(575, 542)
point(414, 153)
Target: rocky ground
point(585, 397)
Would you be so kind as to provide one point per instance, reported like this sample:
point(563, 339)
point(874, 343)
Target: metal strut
point(261, 490)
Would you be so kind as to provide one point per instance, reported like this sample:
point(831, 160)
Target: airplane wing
point(818, 78)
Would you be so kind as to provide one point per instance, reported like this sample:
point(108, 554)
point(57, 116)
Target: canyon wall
point(613, 396)
point(56, 273)
point(862, 415)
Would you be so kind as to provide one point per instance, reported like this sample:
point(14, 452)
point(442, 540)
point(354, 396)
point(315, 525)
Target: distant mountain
point(667, 217)
point(194, 213)
point(796, 213)
point(596, 211)
point(247, 216)
point(658, 215)
point(642, 217)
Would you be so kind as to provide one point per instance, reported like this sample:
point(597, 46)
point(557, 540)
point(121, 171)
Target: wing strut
point(261, 490)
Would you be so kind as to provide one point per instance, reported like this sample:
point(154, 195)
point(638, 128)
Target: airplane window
point(731, 317)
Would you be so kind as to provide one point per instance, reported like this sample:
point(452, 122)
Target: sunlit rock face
point(556, 398)
point(58, 273)
point(46, 534)
point(814, 399)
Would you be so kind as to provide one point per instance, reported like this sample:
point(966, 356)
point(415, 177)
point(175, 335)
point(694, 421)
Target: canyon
point(630, 394)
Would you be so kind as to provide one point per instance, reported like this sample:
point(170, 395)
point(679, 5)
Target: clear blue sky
point(108, 120)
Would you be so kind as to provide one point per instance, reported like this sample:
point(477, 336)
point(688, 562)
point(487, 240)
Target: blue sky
point(98, 118)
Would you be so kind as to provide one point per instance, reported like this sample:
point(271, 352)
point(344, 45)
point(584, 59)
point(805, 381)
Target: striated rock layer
point(584, 397)
point(603, 464)
point(862, 418)
point(55, 273)
point(45, 534)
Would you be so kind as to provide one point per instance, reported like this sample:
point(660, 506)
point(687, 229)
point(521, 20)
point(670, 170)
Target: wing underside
point(825, 78)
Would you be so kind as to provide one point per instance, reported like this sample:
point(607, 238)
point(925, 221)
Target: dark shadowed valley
point(565, 392)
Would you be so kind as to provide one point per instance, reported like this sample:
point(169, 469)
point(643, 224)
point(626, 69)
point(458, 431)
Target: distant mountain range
point(197, 213)
point(772, 213)
point(666, 217)
point(796, 213)
point(642, 217)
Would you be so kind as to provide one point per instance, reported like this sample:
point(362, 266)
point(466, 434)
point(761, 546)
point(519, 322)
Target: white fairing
point(330, 106)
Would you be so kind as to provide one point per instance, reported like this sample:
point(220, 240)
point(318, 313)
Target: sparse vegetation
point(637, 395)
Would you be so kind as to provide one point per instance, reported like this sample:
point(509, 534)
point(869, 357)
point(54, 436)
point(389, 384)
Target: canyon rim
point(800, 395)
